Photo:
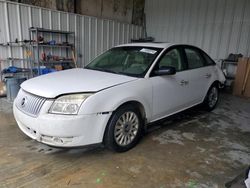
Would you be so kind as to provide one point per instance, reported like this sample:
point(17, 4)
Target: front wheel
point(124, 129)
point(212, 98)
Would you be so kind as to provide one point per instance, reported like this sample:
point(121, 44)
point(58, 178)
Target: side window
point(209, 61)
point(173, 59)
point(194, 58)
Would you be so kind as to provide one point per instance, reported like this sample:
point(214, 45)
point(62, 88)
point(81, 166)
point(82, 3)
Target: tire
point(124, 129)
point(211, 98)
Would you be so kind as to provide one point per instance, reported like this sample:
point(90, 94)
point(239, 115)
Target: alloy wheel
point(213, 97)
point(126, 128)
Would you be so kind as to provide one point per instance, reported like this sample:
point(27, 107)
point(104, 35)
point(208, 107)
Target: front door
point(169, 91)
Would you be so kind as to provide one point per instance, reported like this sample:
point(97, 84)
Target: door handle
point(208, 75)
point(183, 82)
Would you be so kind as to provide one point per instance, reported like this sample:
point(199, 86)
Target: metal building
point(219, 27)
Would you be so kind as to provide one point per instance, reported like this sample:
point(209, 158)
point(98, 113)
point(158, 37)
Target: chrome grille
point(29, 103)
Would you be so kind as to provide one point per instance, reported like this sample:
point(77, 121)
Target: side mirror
point(166, 70)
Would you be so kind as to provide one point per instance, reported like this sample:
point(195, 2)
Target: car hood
point(73, 81)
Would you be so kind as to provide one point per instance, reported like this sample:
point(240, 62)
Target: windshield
point(131, 61)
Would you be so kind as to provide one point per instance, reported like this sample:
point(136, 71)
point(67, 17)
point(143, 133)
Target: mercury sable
point(116, 95)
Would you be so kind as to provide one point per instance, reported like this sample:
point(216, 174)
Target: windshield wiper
point(111, 71)
point(103, 70)
point(129, 74)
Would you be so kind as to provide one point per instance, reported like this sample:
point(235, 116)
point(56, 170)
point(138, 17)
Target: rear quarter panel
point(217, 75)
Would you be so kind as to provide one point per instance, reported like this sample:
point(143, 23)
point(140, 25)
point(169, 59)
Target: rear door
point(200, 74)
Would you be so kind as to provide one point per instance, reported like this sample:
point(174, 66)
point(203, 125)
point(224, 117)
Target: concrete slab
point(5, 106)
point(193, 149)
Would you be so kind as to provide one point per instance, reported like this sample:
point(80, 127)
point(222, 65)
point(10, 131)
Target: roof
point(149, 44)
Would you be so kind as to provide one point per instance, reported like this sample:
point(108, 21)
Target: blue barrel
point(13, 86)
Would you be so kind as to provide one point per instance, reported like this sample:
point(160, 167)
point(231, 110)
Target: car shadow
point(176, 119)
point(169, 122)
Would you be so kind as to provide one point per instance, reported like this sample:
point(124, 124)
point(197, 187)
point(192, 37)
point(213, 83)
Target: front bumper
point(62, 130)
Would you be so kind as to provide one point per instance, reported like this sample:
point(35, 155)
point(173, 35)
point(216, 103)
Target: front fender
point(110, 99)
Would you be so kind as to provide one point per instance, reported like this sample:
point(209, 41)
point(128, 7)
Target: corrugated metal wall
point(219, 27)
point(93, 35)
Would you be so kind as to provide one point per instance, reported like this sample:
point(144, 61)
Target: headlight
point(68, 104)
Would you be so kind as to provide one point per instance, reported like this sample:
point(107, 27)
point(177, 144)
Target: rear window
point(194, 58)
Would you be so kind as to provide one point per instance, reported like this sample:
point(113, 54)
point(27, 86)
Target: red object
point(43, 56)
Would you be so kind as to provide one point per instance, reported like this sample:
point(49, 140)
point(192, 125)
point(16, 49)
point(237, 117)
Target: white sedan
point(116, 95)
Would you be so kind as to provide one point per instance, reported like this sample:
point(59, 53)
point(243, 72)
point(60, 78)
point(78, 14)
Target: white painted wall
point(219, 27)
point(93, 35)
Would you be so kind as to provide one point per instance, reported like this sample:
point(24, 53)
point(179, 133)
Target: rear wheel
point(212, 98)
point(124, 129)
